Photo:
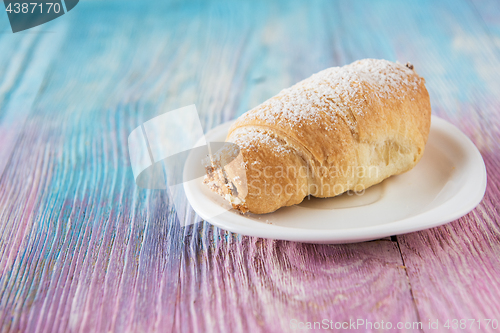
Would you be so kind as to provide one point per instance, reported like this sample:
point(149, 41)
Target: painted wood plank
point(488, 10)
point(28, 56)
point(87, 250)
point(454, 269)
point(82, 249)
point(244, 284)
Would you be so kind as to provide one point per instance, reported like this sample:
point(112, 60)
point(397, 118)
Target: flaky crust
point(344, 128)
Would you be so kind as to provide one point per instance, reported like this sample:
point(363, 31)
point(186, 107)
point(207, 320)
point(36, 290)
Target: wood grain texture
point(453, 269)
point(82, 249)
point(249, 284)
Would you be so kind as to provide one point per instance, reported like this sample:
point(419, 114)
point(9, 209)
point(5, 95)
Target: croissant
point(342, 129)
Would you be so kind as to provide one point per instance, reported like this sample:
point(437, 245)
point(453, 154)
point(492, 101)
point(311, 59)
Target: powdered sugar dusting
point(252, 138)
point(337, 91)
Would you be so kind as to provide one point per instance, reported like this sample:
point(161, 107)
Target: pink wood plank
point(454, 270)
point(244, 284)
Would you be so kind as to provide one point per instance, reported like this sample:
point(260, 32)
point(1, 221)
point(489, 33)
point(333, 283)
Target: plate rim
point(469, 195)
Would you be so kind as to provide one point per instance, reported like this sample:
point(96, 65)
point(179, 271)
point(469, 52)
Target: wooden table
point(83, 249)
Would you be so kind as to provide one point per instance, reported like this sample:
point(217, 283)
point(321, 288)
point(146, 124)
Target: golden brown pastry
point(344, 128)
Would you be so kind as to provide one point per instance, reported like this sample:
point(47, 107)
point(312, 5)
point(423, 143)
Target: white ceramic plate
point(447, 183)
